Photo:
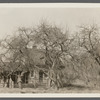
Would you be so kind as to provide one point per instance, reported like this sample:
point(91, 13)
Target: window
point(32, 73)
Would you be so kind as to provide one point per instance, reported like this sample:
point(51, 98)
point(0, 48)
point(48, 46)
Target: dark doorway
point(25, 77)
point(41, 76)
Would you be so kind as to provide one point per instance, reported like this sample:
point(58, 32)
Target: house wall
point(35, 78)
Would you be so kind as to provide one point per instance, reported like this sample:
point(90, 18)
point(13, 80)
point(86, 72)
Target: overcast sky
point(12, 18)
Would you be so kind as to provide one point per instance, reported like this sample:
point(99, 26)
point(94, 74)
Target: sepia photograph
point(49, 49)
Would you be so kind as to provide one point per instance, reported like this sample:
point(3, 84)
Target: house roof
point(36, 57)
point(39, 59)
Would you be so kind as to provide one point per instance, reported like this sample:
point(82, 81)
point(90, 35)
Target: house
point(34, 71)
point(37, 66)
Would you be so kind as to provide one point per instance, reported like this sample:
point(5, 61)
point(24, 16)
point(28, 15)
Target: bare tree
point(89, 41)
point(56, 44)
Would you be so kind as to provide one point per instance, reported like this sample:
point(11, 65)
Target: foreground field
point(69, 89)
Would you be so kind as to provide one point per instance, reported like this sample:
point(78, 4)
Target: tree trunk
point(11, 83)
point(19, 81)
point(35, 78)
point(50, 74)
point(2, 81)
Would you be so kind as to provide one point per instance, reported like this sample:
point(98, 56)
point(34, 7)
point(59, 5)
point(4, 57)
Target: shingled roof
point(37, 57)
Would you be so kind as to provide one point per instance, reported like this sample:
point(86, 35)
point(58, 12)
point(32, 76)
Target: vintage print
point(45, 49)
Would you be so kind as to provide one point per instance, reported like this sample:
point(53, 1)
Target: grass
point(67, 89)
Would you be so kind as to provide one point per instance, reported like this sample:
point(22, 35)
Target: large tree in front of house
point(56, 44)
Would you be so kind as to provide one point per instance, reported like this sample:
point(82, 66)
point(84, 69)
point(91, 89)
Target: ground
point(68, 89)
point(76, 87)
